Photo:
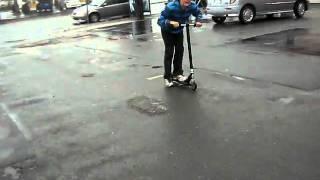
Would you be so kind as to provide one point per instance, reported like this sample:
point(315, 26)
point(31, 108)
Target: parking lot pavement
point(95, 106)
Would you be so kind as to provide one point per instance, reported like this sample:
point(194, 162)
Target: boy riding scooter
point(176, 13)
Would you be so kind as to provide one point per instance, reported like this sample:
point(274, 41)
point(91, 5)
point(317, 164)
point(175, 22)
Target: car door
point(115, 8)
point(280, 5)
point(285, 5)
point(261, 6)
point(124, 8)
point(271, 5)
point(109, 8)
point(103, 9)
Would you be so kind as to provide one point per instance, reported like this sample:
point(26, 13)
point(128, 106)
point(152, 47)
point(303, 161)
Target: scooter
point(190, 81)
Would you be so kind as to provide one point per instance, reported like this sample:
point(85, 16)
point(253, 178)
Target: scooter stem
point(189, 45)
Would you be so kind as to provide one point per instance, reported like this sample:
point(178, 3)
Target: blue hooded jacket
point(174, 12)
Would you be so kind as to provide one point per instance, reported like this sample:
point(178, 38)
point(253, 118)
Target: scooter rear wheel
point(194, 86)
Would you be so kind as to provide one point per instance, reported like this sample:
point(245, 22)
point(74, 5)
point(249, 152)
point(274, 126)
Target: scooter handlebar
point(188, 24)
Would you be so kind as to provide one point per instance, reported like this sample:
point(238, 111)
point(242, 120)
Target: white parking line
point(16, 120)
point(154, 77)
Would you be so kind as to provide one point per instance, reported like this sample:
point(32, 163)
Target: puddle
point(55, 41)
point(299, 40)
point(13, 173)
point(38, 43)
point(5, 153)
point(133, 65)
point(142, 38)
point(135, 30)
point(15, 41)
point(238, 78)
point(7, 54)
point(147, 105)
point(27, 101)
point(156, 67)
point(282, 100)
point(113, 38)
point(87, 75)
point(4, 132)
point(145, 65)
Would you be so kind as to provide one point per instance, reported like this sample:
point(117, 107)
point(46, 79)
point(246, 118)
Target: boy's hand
point(198, 24)
point(175, 24)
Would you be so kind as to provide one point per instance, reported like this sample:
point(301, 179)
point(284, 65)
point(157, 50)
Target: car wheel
point(94, 17)
point(247, 14)
point(219, 20)
point(38, 8)
point(66, 6)
point(26, 8)
point(299, 9)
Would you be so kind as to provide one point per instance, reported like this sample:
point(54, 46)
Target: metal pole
point(15, 7)
point(139, 9)
point(87, 4)
point(189, 45)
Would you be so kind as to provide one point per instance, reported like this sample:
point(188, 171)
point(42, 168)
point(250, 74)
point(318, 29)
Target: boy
point(175, 13)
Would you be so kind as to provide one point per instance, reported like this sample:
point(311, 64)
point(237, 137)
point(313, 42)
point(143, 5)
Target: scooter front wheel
point(194, 86)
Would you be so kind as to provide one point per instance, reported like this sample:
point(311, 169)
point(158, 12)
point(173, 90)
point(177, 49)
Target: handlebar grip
point(187, 24)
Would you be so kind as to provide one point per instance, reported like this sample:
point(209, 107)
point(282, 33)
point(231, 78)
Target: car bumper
point(77, 17)
point(223, 11)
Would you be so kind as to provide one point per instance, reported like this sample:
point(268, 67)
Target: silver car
point(247, 10)
point(98, 9)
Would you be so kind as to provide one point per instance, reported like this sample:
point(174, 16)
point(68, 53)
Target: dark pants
point(173, 50)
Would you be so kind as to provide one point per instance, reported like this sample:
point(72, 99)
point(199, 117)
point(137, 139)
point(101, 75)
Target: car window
point(123, 1)
point(110, 2)
point(97, 2)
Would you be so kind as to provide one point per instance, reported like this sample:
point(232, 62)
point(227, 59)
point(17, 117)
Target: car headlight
point(82, 13)
point(232, 1)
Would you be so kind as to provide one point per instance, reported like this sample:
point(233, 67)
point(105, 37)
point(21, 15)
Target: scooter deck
point(190, 84)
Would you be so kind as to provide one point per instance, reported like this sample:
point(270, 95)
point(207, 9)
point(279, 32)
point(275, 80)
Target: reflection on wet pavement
point(298, 40)
point(135, 30)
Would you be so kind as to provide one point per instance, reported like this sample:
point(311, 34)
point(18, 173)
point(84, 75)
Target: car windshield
point(97, 2)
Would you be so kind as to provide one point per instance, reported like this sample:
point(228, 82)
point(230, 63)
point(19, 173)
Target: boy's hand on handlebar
point(175, 24)
point(198, 24)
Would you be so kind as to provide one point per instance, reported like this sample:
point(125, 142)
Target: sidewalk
point(9, 16)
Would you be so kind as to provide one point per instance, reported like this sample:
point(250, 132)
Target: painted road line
point(154, 77)
point(16, 120)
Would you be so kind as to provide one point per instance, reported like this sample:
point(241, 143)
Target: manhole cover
point(147, 105)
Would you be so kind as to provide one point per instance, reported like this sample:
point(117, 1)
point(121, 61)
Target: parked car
point(60, 4)
point(31, 6)
point(247, 10)
point(3, 4)
point(98, 9)
point(45, 5)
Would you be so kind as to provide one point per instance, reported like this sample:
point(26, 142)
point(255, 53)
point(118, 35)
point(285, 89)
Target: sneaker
point(168, 83)
point(180, 78)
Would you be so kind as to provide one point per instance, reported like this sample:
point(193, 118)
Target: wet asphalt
point(93, 106)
